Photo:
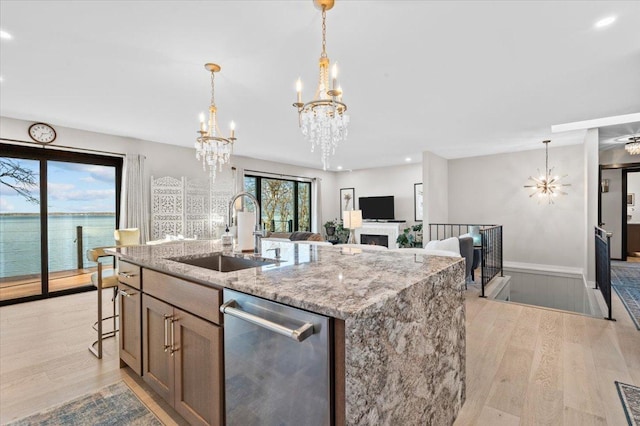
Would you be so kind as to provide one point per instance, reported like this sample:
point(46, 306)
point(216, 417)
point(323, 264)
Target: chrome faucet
point(258, 233)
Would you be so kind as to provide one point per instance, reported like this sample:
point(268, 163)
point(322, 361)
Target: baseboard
point(540, 269)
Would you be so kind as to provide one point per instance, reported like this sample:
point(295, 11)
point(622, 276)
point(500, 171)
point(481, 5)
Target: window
point(53, 206)
point(285, 204)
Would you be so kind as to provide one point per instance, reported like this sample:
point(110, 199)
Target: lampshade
point(352, 219)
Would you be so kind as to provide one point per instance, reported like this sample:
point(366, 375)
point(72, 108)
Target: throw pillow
point(450, 244)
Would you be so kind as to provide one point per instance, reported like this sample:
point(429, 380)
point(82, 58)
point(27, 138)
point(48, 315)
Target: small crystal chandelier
point(547, 185)
point(323, 120)
point(212, 149)
point(633, 146)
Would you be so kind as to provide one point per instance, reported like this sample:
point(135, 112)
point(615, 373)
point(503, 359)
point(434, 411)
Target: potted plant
point(330, 228)
point(410, 237)
point(341, 232)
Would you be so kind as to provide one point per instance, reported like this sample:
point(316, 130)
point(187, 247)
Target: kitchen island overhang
point(402, 315)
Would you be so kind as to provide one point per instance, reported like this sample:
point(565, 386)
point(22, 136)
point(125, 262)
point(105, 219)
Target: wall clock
point(42, 133)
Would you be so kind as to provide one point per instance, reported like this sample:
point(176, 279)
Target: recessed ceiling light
point(605, 22)
point(5, 35)
point(339, 167)
point(408, 159)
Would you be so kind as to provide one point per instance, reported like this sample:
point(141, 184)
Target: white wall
point(397, 181)
point(617, 156)
point(164, 159)
point(591, 189)
point(490, 190)
point(633, 187)
point(436, 188)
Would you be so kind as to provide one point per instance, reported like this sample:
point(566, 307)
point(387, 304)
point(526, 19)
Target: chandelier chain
point(324, 32)
point(213, 89)
point(546, 159)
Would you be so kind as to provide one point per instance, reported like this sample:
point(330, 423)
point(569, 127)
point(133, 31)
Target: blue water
point(20, 241)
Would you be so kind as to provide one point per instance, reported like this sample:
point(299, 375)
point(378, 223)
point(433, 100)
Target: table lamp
point(352, 221)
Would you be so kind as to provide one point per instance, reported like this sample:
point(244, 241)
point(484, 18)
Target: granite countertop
point(329, 280)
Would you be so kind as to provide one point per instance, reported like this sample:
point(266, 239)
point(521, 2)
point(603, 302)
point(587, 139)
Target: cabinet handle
point(174, 349)
point(126, 274)
point(124, 293)
point(167, 318)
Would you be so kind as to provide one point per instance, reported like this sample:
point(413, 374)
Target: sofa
point(294, 236)
point(462, 246)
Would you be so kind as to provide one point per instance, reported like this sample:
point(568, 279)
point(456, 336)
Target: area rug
point(113, 405)
point(625, 280)
point(630, 397)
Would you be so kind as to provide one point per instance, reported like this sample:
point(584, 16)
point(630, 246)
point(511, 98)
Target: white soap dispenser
point(227, 239)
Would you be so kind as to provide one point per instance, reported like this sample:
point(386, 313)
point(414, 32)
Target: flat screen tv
point(378, 208)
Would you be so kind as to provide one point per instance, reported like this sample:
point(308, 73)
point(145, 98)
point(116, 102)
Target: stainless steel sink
point(221, 262)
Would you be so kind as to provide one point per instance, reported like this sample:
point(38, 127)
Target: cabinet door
point(130, 342)
point(198, 369)
point(157, 362)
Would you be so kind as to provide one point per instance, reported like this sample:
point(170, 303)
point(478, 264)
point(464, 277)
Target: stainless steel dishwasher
point(277, 363)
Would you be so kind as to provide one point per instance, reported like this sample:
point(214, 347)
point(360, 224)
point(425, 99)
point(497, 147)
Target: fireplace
point(391, 230)
point(376, 240)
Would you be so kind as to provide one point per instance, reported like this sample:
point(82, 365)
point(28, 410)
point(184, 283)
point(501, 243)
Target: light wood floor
point(525, 365)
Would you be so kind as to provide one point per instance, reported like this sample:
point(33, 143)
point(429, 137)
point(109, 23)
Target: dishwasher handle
point(298, 334)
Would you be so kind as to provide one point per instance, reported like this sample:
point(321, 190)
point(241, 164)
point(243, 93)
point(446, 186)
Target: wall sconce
point(604, 185)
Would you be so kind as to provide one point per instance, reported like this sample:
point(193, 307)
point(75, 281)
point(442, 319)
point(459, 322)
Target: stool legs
point(99, 326)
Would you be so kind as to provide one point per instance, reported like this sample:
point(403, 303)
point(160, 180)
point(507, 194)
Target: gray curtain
point(134, 211)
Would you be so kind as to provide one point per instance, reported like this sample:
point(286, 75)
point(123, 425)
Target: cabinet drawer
point(130, 313)
point(196, 298)
point(129, 274)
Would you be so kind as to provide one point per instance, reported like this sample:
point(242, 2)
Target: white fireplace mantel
point(390, 229)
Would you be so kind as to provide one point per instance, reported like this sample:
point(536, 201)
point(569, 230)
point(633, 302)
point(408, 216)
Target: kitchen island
point(399, 356)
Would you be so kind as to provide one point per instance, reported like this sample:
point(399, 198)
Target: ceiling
point(456, 78)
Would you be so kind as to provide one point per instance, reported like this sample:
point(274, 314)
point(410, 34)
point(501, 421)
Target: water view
point(20, 242)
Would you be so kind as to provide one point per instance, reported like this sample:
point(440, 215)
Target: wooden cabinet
point(155, 345)
point(129, 274)
point(633, 239)
point(130, 329)
point(198, 382)
point(183, 360)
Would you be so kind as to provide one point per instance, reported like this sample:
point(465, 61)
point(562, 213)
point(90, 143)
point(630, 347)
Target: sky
point(72, 188)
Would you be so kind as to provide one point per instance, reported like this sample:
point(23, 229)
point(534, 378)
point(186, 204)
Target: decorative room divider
point(190, 207)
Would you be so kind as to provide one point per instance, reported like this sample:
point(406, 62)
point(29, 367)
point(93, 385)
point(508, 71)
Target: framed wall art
point(417, 201)
point(347, 200)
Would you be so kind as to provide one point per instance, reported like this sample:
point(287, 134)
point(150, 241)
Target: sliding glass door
point(54, 206)
point(81, 215)
point(20, 228)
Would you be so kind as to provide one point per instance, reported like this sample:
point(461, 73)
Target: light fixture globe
point(212, 149)
point(547, 185)
point(322, 120)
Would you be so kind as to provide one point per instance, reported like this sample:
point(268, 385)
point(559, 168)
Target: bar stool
point(103, 279)
point(108, 278)
point(127, 236)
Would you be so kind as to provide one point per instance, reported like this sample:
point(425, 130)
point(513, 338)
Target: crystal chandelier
point(323, 120)
point(211, 148)
point(548, 185)
point(633, 146)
